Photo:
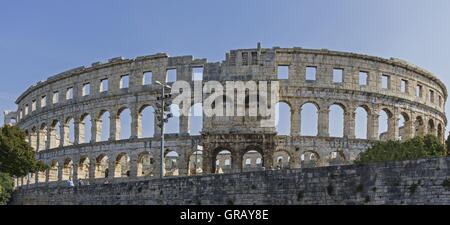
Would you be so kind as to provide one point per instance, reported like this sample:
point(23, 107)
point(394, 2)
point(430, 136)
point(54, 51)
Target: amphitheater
point(74, 120)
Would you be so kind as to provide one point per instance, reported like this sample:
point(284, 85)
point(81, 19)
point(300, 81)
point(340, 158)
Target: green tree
point(6, 188)
point(17, 158)
point(415, 148)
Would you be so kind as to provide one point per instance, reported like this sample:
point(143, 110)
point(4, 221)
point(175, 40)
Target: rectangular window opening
point(171, 75)
point(104, 85)
point(404, 86)
point(43, 101)
point(124, 81)
point(69, 94)
point(197, 73)
point(311, 73)
point(338, 75)
point(283, 72)
point(147, 78)
point(363, 78)
point(419, 91)
point(55, 97)
point(385, 81)
point(86, 89)
point(33, 106)
point(431, 96)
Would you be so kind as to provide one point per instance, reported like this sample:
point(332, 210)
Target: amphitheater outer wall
point(62, 98)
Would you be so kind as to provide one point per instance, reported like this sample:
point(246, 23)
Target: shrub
point(415, 148)
point(6, 188)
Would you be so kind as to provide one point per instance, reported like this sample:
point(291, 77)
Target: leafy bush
point(415, 148)
point(6, 188)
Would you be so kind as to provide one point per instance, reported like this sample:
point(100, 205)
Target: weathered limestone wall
point(60, 114)
point(409, 182)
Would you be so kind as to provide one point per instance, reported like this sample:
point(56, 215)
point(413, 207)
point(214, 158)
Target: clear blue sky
point(43, 38)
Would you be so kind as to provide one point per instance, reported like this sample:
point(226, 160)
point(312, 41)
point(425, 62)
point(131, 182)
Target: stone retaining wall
point(411, 182)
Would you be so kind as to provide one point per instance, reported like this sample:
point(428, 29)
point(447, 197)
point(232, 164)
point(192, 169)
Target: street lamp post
point(162, 120)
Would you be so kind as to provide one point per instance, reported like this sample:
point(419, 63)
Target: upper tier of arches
point(311, 118)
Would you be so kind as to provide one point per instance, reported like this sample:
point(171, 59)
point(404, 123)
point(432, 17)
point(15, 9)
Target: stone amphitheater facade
point(53, 111)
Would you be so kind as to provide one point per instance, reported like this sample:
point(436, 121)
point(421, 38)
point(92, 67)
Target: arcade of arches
point(361, 122)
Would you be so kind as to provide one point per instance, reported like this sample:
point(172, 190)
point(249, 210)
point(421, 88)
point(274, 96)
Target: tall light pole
point(162, 119)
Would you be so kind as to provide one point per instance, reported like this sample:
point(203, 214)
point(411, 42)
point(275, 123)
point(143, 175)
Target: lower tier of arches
point(189, 156)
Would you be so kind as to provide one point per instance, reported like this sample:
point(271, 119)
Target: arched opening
point(309, 159)
point(42, 137)
point(223, 162)
point(146, 122)
point(431, 127)
point(283, 118)
point(67, 170)
point(41, 176)
point(85, 129)
point(103, 126)
point(122, 166)
point(102, 167)
point(69, 132)
point(336, 121)
point(361, 121)
point(173, 126)
point(281, 160)
point(252, 160)
point(31, 178)
point(33, 138)
point(53, 171)
point(27, 136)
point(55, 134)
point(171, 164)
point(83, 168)
point(196, 119)
point(145, 166)
point(402, 129)
point(124, 124)
point(309, 120)
point(383, 124)
point(418, 126)
point(195, 163)
point(24, 180)
point(440, 133)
